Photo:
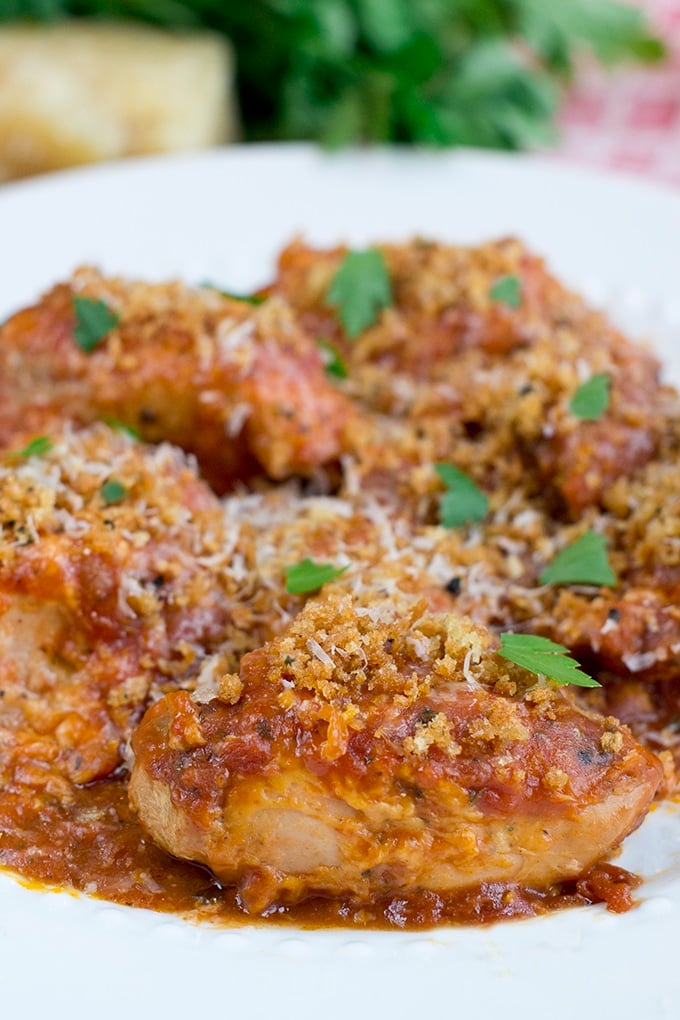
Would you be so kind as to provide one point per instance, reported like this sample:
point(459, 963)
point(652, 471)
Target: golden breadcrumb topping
point(142, 573)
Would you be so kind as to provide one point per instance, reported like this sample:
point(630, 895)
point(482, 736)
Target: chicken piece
point(644, 519)
point(376, 748)
point(447, 347)
point(236, 385)
point(114, 587)
point(634, 629)
point(636, 633)
point(441, 296)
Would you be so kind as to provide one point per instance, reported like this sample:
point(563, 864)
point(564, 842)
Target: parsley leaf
point(94, 320)
point(360, 289)
point(332, 362)
point(113, 492)
point(120, 426)
point(582, 562)
point(251, 299)
point(36, 448)
point(591, 399)
point(310, 576)
point(507, 290)
point(542, 656)
point(464, 503)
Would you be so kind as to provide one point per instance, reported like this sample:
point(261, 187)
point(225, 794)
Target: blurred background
point(89, 80)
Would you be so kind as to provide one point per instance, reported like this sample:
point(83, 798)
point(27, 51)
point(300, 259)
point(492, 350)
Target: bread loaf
point(78, 91)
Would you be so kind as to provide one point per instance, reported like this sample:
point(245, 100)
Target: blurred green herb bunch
point(435, 72)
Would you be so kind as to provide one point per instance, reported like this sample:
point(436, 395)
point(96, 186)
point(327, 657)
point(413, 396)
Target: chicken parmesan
point(350, 602)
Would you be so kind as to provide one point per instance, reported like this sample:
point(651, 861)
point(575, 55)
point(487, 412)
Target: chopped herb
point(583, 562)
point(360, 289)
point(120, 426)
point(332, 361)
point(36, 448)
point(591, 399)
point(250, 299)
point(113, 492)
point(464, 503)
point(507, 290)
point(542, 656)
point(309, 576)
point(94, 320)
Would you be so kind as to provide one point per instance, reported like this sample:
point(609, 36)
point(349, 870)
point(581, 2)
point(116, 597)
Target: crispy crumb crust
point(446, 347)
point(241, 387)
point(427, 761)
point(105, 608)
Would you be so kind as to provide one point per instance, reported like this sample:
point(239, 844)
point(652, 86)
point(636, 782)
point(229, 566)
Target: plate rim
point(554, 942)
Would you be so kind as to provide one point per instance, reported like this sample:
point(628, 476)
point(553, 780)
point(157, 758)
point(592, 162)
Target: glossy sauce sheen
point(113, 860)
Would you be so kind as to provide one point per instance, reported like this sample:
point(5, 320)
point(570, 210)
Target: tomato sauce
point(96, 846)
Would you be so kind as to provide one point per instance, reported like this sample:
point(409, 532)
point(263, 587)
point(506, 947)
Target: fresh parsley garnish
point(360, 290)
point(113, 491)
point(542, 656)
point(120, 426)
point(591, 399)
point(332, 362)
point(250, 299)
point(463, 503)
point(585, 561)
point(94, 321)
point(36, 448)
point(307, 576)
point(507, 290)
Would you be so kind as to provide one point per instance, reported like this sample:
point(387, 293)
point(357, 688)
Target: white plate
point(222, 216)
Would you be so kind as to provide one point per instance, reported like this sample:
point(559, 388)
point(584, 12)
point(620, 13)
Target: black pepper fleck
point(263, 729)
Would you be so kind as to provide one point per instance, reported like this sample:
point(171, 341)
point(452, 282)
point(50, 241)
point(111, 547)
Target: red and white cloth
point(630, 119)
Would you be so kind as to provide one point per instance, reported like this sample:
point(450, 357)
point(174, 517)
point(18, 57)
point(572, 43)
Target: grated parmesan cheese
point(316, 650)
